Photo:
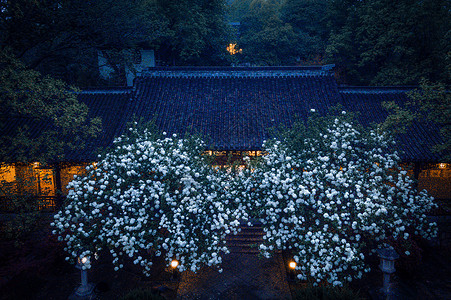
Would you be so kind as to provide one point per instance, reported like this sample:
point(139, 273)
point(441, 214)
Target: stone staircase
point(246, 241)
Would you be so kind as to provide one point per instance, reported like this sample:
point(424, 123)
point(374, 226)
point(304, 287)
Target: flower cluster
point(147, 196)
point(329, 193)
point(332, 193)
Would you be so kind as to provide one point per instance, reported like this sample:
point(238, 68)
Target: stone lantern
point(387, 266)
point(174, 272)
point(85, 289)
point(292, 271)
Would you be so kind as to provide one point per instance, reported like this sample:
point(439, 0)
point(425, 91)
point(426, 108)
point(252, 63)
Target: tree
point(331, 192)
point(196, 32)
point(430, 103)
point(149, 195)
point(29, 101)
point(309, 21)
point(26, 95)
point(389, 43)
point(61, 38)
point(265, 38)
point(237, 9)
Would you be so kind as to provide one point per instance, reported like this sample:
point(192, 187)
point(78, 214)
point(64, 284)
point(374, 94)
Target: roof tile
point(234, 108)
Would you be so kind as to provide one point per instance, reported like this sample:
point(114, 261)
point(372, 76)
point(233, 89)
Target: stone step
point(251, 231)
point(243, 243)
point(247, 238)
point(243, 250)
point(246, 241)
point(254, 249)
point(251, 228)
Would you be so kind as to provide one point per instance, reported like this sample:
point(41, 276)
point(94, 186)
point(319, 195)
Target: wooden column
point(59, 192)
point(416, 173)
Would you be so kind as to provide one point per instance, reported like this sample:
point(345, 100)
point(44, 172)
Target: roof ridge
point(279, 71)
point(209, 68)
point(106, 90)
point(376, 89)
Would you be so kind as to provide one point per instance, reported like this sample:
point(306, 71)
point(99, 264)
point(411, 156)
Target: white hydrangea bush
point(149, 195)
point(330, 194)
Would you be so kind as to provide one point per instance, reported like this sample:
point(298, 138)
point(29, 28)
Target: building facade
point(233, 109)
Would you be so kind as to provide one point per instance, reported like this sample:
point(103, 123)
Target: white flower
point(322, 201)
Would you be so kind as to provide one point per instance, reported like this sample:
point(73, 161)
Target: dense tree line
point(377, 42)
point(372, 42)
point(62, 38)
point(49, 48)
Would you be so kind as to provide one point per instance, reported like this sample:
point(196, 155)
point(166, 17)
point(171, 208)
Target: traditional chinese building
point(234, 110)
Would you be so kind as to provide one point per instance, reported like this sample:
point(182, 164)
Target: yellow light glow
point(219, 153)
point(84, 260)
point(232, 50)
point(46, 185)
point(68, 173)
point(442, 165)
point(174, 263)
point(7, 173)
point(292, 265)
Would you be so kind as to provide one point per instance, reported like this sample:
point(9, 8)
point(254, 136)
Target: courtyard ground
point(37, 270)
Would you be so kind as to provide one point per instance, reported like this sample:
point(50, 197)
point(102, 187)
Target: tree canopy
point(196, 32)
point(62, 38)
point(377, 42)
point(265, 38)
point(31, 99)
point(372, 42)
point(390, 43)
point(430, 103)
point(150, 195)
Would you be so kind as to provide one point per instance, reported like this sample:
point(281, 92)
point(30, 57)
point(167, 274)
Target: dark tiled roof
point(415, 144)
point(12, 127)
point(234, 108)
point(112, 106)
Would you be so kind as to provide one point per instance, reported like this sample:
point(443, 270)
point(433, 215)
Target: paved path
point(245, 276)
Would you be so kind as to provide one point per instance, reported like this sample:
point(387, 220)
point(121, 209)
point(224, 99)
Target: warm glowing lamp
point(86, 289)
point(291, 272)
point(174, 263)
point(173, 269)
